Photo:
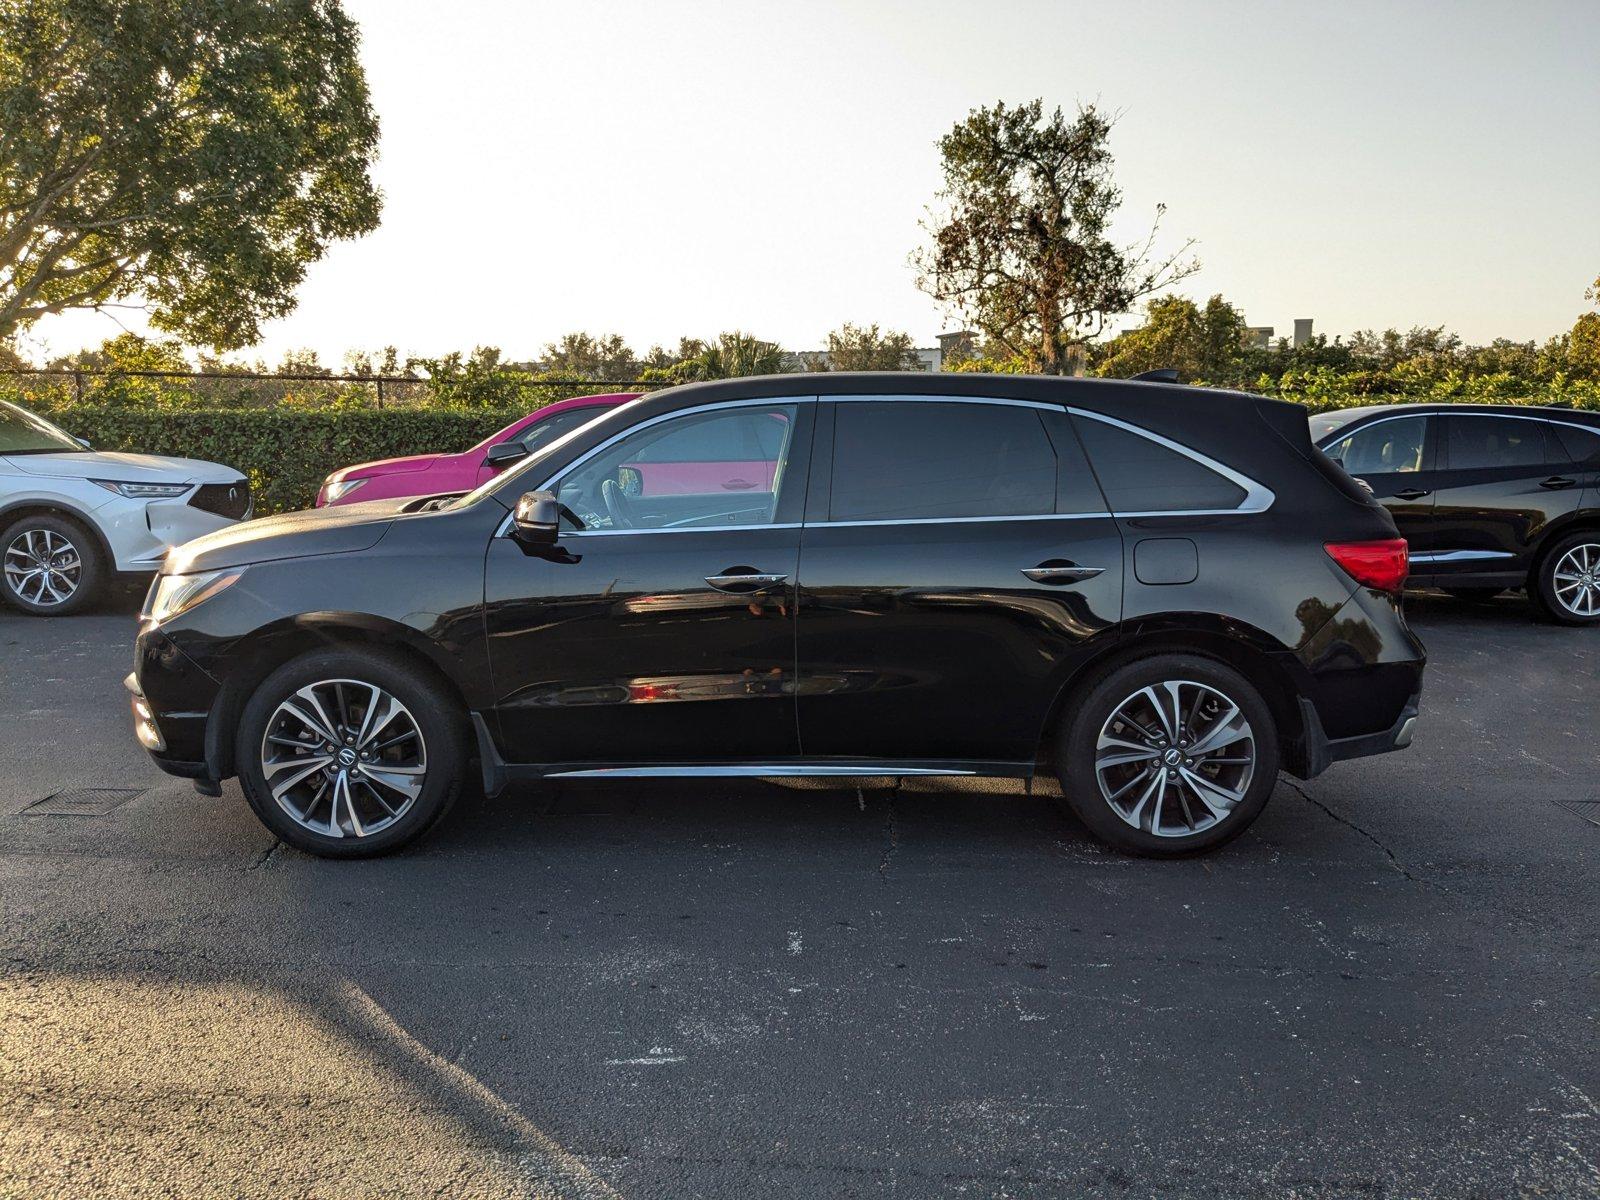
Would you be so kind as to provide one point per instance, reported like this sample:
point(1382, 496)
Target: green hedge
point(285, 452)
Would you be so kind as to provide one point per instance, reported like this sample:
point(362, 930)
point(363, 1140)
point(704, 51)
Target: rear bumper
point(1320, 751)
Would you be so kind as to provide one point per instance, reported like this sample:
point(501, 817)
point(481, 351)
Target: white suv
point(71, 515)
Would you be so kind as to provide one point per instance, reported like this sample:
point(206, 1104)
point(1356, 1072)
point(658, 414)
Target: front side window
point(699, 470)
point(23, 433)
point(1481, 443)
point(1388, 447)
point(906, 460)
point(1141, 475)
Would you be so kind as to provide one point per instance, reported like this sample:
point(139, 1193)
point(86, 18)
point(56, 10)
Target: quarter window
point(1383, 448)
point(1489, 442)
point(1139, 474)
point(908, 460)
point(725, 467)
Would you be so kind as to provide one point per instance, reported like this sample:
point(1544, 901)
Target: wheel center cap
point(1172, 758)
point(347, 757)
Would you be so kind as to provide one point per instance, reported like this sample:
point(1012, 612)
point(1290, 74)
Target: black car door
point(957, 559)
point(660, 628)
point(1396, 457)
point(1504, 479)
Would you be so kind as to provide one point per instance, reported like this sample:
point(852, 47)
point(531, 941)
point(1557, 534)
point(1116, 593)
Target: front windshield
point(23, 433)
point(509, 479)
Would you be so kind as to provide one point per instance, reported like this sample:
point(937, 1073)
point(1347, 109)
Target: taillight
point(1381, 564)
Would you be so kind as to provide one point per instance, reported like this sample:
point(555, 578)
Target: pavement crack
point(1371, 837)
point(265, 858)
point(891, 833)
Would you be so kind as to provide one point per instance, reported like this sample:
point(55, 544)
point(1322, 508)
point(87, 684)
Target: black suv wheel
point(1169, 755)
point(52, 565)
point(350, 753)
point(1566, 584)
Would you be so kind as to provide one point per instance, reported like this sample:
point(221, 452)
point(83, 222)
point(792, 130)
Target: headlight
point(173, 594)
point(336, 491)
point(143, 491)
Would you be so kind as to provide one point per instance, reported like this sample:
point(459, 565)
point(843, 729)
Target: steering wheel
point(618, 506)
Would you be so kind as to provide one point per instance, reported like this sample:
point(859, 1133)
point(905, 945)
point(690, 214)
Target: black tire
point(79, 562)
point(1207, 679)
point(426, 705)
point(1473, 595)
point(1566, 607)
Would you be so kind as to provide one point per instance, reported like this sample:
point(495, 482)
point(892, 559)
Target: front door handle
point(744, 579)
point(1556, 482)
point(1065, 573)
point(1412, 494)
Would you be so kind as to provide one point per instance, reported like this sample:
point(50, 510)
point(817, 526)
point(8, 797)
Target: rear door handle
point(743, 579)
point(1412, 494)
point(1556, 482)
point(1067, 573)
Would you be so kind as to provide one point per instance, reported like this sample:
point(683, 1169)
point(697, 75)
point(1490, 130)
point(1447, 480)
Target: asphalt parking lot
point(1388, 988)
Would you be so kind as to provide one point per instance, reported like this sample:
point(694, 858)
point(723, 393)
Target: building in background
point(1259, 337)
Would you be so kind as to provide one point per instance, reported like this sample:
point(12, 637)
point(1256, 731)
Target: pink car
point(433, 474)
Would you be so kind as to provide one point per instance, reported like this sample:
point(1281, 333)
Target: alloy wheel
point(42, 567)
point(343, 758)
point(1175, 758)
point(1577, 580)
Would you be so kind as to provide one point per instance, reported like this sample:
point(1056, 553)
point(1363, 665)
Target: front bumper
point(140, 532)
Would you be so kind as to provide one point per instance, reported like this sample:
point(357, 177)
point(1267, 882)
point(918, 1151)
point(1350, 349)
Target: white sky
point(668, 167)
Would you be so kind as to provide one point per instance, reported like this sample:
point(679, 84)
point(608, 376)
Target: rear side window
point(1139, 474)
point(908, 460)
point(1490, 442)
point(1581, 444)
point(1389, 447)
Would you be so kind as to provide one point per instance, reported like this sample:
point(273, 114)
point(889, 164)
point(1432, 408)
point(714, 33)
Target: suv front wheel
point(1169, 755)
point(350, 753)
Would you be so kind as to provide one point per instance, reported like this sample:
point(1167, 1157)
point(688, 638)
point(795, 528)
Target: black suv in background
point(1489, 497)
point(1165, 593)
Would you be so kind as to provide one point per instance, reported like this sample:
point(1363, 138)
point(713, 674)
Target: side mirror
point(84, 442)
point(537, 519)
point(503, 454)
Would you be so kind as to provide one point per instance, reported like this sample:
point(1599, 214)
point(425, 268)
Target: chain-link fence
point(506, 388)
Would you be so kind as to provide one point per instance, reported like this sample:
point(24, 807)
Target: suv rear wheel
point(52, 565)
point(350, 753)
point(1566, 584)
point(1169, 755)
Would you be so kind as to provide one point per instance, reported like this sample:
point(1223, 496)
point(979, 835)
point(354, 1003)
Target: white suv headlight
point(173, 594)
point(143, 491)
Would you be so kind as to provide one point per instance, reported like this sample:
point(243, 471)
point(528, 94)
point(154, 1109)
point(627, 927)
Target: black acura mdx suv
point(1489, 497)
point(1165, 594)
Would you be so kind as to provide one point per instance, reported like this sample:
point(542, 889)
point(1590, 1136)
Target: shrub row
point(285, 452)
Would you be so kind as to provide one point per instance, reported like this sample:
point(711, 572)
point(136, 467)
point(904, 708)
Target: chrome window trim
point(1357, 426)
point(1257, 499)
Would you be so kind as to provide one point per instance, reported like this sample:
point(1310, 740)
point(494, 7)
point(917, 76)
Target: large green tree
point(732, 355)
point(1020, 234)
point(866, 348)
point(1204, 345)
point(589, 357)
point(193, 157)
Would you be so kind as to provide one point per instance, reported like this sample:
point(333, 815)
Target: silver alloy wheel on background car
point(343, 758)
point(43, 567)
point(1174, 758)
point(1576, 580)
